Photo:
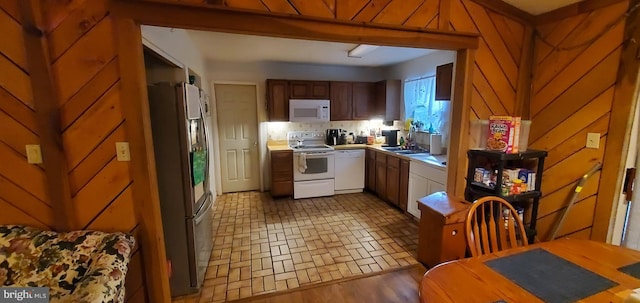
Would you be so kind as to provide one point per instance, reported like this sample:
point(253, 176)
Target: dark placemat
point(632, 270)
point(549, 277)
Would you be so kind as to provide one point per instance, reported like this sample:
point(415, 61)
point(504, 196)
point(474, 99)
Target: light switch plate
point(593, 140)
point(34, 154)
point(122, 151)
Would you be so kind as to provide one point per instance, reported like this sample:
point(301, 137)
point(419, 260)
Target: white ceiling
point(537, 7)
point(245, 48)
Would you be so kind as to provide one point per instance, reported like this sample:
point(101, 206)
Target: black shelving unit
point(498, 161)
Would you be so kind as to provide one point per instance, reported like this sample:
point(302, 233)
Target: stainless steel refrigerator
point(180, 141)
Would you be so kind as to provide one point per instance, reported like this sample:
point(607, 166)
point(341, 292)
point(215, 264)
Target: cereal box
point(504, 134)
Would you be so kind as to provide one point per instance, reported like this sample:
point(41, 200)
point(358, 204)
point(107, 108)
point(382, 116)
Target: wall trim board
point(573, 10)
point(202, 17)
point(508, 10)
point(460, 111)
point(622, 114)
point(444, 15)
point(142, 166)
point(525, 75)
point(47, 114)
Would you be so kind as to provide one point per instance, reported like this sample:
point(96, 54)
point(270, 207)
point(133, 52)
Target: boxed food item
point(504, 134)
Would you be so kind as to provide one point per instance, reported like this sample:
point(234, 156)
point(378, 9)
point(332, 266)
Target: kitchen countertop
point(435, 160)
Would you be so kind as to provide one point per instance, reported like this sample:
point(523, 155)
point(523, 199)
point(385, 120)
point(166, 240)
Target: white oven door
point(319, 165)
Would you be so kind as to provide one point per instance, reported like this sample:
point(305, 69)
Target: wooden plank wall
point(572, 95)
point(84, 67)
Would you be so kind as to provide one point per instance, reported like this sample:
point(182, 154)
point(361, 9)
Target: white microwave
point(308, 110)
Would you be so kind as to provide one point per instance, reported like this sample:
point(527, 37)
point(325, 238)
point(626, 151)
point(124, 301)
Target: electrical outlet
point(593, 140)
point(122, 151)
point(34, 154)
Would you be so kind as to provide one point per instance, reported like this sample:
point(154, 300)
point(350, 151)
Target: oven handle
point(319, 154)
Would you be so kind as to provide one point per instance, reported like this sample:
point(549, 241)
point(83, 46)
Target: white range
point(313, 164)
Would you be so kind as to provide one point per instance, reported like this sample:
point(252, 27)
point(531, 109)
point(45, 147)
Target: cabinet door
point(381, 175)
point(435, 187)
point(278, 100)
point(404, 184)
point(281, 173)
point(444, 76)
point(387, 96)
point(380, 103)
point(393, 179)
point(341, 101)
point(363, 100)
point(299, 89)
point(370, 170)
point(319, 90)
point(418, 188)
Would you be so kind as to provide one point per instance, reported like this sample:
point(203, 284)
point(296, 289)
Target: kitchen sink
point(392, 148)
point(403, 152)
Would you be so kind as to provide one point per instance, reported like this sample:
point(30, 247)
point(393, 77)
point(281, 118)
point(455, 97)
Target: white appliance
point(304, 110)
point(313, 165)
point(349, 171)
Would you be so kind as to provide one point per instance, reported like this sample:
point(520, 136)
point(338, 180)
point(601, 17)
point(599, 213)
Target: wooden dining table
point(474, 280)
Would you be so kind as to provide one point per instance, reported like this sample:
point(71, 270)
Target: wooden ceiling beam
point(213, 18)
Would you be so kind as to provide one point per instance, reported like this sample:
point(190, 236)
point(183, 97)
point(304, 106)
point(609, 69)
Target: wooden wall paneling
point(460, 113)
point(579, 217)
point(347, 10)
point(29, 177)
point(84, 59)
point(58, 11)
point(18, 110)
point(12, 31)
point(479, 105)
point(12, 8)
point(579, 65)
point(444, 12)
point(397, 11)
point(226, 20)
point(506, 9)
point(371, 10)
point(622, 111)
point(46, 109)
point(559, 199)
point(573, 10)
point(75, 25)
point(84, 135)
point(80, 175)
point(27, 203)
point(481, 83)
point(15, 135)
point(280, 6)
point(118, 216)
point(525, 74)
point(100, 192)
point(596, 22)
point(91, 92)
point(134, 277)
point(574, 123)
point(13, 215)
point(583, 234)
point(145, 185)
point(572, 168)
point(314, 8)
point(512, 32)
point(426, 16)
point(554, 34)
point(591, 85)
point(16, 81)
point(246, 4)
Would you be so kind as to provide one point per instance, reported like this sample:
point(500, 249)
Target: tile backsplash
point(278, 130)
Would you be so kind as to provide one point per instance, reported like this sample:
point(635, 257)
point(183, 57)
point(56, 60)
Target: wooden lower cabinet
point(393, 179)
point(370, 170)
point(281, 173)
point(381, 175)
point(404, 184)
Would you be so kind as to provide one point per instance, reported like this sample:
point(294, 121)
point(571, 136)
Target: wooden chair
point(492, 225)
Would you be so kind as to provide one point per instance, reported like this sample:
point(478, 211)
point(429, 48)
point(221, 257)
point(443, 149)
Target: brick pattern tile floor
point(264, 245)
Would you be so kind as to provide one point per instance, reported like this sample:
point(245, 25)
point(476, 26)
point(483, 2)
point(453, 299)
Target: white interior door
point(238, 135)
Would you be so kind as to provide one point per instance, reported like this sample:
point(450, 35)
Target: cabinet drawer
point(430, 172)
point(279, 189)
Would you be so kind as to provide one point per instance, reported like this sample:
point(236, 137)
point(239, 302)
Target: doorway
point(236, 106)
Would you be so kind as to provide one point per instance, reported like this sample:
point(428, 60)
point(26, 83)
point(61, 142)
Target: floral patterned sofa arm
point(77, 266)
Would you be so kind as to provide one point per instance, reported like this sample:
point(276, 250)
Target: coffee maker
point(391, 137)
point(333, 136)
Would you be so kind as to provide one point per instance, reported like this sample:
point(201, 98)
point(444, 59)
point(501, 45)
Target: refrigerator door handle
point(203, 209)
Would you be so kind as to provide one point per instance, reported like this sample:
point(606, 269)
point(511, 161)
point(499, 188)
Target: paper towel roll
point(435, 144)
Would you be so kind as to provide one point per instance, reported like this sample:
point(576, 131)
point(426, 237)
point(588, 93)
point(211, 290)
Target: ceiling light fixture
point(361, 50)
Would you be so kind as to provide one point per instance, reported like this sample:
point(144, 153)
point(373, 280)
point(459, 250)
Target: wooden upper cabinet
point(341, 101)
point(387, 99)
point(444, 76)
point(278, 100)
point(309, 89)
point(363, 100)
